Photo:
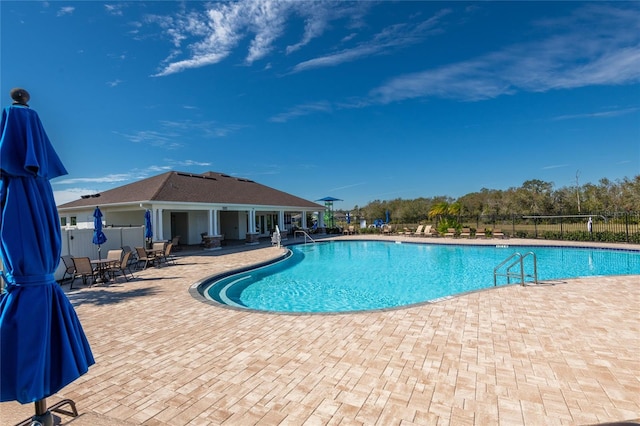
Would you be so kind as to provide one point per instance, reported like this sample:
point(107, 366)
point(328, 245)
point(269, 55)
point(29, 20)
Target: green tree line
point(534, 197)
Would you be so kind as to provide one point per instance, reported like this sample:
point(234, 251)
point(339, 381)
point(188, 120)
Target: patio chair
point(143, 256)
point(69, 267)
point(480, 233)
point(121, 267)
point(133, 259)
point(451, 232)
point(466, 233)
point(176, 243)
point(83, 269)
point(165, 255)
point(114, 255)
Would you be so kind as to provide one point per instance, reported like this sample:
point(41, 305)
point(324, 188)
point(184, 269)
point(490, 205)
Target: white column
point(303, 220)
point(210, 227)
point(157, 226)
point(252, 221)
point(215, 224)
point(321, 219)
point(281, 220)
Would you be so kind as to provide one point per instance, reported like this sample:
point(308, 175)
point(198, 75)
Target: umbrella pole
point(43, 416)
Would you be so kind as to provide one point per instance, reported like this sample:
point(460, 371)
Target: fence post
point(626, 224)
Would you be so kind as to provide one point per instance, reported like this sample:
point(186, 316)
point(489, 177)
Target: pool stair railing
point(300, 231)
point(505, 269)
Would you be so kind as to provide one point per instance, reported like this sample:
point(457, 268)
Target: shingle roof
point(210, 187)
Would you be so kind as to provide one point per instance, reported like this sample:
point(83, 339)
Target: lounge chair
point(121, 267)
point(418, 232)
point(497, 233)
point(480, 233)
point(69, 267)
point(83, 269)
point(176, 243)
point(350, 230)
point(466, 233)
point(430, 232)
point(451, 232)
point(387, 229)
point(405, 231)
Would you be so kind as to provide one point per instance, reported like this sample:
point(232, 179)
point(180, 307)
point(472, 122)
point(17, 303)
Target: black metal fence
point(603, 226)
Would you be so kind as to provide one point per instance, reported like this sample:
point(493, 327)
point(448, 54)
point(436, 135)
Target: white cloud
point(301, 110)
point(599, 46)
point(114, 83)
point(101, 179)
point(66, 10)
point(391, 37)
point(114, 9)
point(210, 37)
point(601, 114)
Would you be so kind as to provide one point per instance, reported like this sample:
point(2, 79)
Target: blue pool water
point(342, 276)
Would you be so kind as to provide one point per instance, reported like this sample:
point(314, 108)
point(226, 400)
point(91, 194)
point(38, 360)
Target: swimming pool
point(344, 276)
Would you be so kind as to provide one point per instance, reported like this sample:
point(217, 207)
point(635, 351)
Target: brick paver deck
point(562, 354)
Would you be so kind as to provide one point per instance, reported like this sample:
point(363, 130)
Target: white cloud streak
point(599, 46)
point(211, 36)
point(66, 10)
point(300, 110)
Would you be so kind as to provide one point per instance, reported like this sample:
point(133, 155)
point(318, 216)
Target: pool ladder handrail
point(518, 261)
point(295, 234)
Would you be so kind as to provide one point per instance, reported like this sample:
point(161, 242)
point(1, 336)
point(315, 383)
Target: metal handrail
point(295, 234)
point(519, 261)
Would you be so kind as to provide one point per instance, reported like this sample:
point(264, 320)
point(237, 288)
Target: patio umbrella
point(42, 345)
point(348, 218)
point(148, 229)
point(98, 236)
point(387, 217)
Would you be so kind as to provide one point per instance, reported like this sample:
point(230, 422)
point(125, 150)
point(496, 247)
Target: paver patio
point(561, 354)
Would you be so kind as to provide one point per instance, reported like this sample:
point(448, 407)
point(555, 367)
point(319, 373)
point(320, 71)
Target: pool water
point(342, 276)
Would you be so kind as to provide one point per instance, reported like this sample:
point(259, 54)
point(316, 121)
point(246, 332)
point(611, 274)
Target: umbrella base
point(46, 419)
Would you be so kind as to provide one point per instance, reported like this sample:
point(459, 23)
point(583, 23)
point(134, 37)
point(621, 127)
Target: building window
point(63, 221)
point(73, 221)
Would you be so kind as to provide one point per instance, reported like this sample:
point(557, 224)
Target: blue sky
point(360, 101)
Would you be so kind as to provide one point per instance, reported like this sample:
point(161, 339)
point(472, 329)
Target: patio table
point(103, 266)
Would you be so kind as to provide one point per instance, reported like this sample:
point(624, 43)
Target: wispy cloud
point(66, 10)
point(208, 37)
point(114, 83)
point(173, 135)
point(392, 37)
point(115, 8)
point(600, 45)
point(347, 186)
point(601, 114)
point(301, 110)
point(122, 177)
point(151, 137)
point(555, 166)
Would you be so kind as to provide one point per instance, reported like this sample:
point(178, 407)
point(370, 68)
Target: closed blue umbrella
point(148, 229)
point(42, 345)
point(348, 218)
point(98, 236)
point(387, 217)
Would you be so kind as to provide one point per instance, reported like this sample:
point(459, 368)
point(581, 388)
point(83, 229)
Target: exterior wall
point(198, 223)
point(232, 226)
point(123, 219)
